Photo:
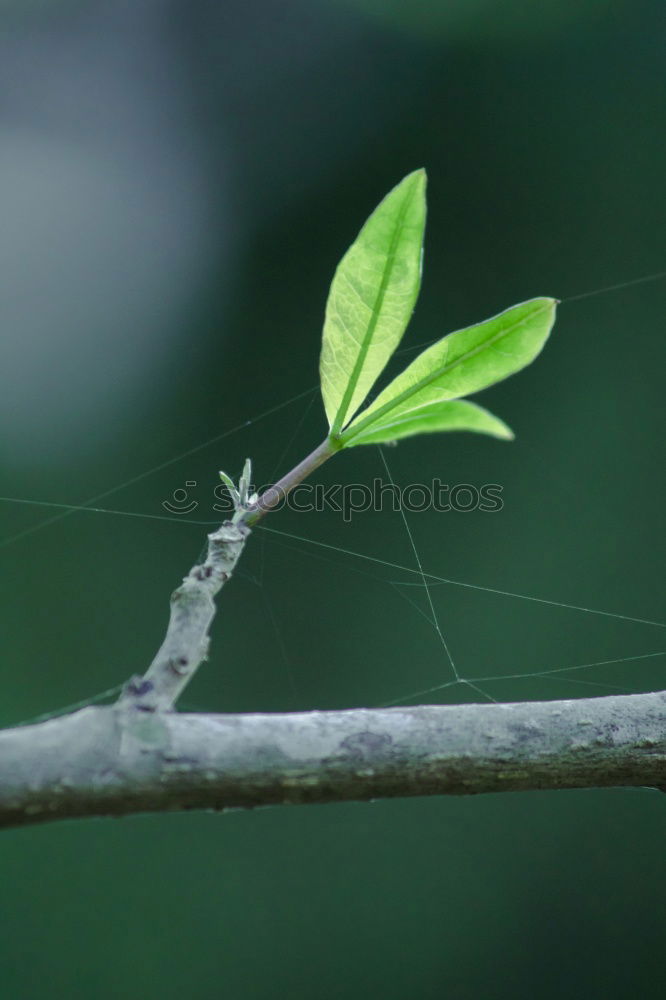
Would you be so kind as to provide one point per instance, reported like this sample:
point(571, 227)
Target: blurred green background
point(178, 182)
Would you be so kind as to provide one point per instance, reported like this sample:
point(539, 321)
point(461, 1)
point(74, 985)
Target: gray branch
point(185, 645)
point(125, 758)
point(138, 756)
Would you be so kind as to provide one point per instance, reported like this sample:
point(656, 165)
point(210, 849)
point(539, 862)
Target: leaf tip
point(418, 177)
point(422, 175)
point(500, 430)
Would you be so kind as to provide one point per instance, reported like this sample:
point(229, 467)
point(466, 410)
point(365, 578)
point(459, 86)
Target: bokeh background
point(177, 182)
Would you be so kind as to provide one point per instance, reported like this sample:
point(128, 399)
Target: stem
point(275, 495)
point(186, 642)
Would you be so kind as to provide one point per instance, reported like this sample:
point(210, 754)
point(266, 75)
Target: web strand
point(435, 619)
point(456, 583)
point(148, 472)
point(621, 285)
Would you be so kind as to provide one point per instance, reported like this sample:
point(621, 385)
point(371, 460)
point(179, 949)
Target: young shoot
point(370, 303)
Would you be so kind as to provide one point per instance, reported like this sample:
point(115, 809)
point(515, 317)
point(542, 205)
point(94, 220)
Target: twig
point(186, 642)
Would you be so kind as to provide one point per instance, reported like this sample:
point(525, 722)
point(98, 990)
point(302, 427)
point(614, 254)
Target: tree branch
point(124, 759)
point(138, 756)
point(186, 642)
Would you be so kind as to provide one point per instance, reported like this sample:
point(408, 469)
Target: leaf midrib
point(374, 319)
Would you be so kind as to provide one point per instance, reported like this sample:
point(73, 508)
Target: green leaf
point(463, 362)
point(371, 300)
point(453, 415)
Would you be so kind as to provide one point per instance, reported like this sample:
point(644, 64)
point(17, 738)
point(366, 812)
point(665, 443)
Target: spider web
point(424, 595)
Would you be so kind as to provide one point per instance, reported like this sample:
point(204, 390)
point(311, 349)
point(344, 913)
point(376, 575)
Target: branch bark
point(124, 759)
point(186, 641)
